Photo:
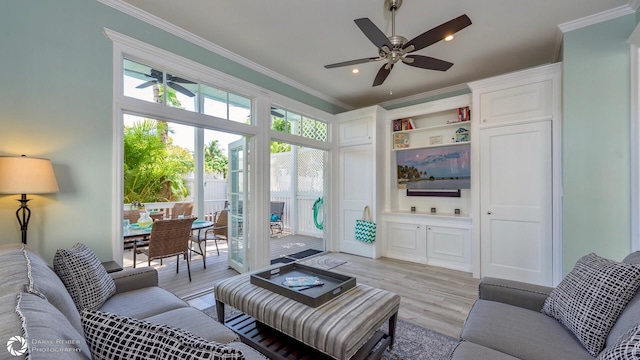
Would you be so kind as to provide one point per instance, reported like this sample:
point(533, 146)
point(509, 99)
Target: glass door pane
point(238, 198)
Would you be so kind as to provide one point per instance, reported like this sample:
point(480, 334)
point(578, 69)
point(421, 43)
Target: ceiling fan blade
point(352, 62)
point(275, 113)
point(181, 89)
point(427, 62)
point(438, 33)
point(180, 80)
point(146, 84)
point(373, 33)
point(382, 74)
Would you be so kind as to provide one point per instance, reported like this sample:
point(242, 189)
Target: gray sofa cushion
point(48, 334)
point(10, 322)
point(143, 303)
point(113, 336)
point(467, 350)
point(197, 322)
point(626, 348)
point(84, 276)
point(521, 333)
point(589, 300)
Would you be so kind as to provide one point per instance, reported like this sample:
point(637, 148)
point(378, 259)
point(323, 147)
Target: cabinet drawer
point(517, 103)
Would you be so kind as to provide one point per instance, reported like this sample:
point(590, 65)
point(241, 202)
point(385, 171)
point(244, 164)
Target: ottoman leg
point(393, 320)
point(220, 311)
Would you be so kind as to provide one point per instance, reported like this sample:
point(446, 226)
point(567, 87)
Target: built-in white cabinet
point(359, 184)
point(439, 240)
point(356, 131)
point(449, 246)
point(516, 176)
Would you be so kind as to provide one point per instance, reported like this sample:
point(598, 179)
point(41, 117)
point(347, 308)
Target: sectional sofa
point(593, 313)
point(40, 319)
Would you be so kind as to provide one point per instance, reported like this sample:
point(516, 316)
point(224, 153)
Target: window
point(155, 85)
point(297, 124)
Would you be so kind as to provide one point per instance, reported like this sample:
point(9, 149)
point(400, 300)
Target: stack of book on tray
point(302, 282)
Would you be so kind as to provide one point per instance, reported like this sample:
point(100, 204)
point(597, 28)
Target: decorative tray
point(334, 284)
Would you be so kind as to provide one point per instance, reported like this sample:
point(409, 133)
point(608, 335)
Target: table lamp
point(24, 175)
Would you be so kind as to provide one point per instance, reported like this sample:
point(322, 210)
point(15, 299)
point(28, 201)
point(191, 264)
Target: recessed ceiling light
point(448, 38)
point(355, 71)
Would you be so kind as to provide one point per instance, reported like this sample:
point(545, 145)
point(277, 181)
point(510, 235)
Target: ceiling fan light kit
point(396, 48)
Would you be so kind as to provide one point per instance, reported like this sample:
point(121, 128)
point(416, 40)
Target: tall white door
point(356, 192)
point(237, 189)
point(516, 202)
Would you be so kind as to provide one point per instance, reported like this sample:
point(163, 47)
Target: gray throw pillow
point(113, 336)
point(626, 348)
point(84, 276)
point(590, 298)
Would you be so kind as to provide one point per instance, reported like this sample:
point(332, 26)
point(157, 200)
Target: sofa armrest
point(524, 295)
point(132, 279)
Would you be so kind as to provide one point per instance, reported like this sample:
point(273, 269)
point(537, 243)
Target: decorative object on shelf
point(23, 175)
point(462, 135)
point(365, 227)
point(396, 125)
point(433, 210)
point(456, 211)
point(435, 140)
point(464, 114)
point(400, 141)
point(413, 209)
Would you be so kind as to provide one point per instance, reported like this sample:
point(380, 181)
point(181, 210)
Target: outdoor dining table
point(132, 235)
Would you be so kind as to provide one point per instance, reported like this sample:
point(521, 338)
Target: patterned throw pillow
point(113, 336)
point(84, 276)
point(590, 298)
point(627, 347)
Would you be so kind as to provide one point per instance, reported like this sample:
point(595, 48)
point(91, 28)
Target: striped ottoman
point(338, 328)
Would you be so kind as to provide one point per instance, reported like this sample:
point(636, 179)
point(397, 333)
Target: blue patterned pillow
point(589, 300)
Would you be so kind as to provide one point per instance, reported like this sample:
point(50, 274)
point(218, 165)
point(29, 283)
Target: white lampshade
point(24, 175)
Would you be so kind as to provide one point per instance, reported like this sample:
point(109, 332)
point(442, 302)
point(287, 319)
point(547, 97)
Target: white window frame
point(634, 124)
point(259, 130)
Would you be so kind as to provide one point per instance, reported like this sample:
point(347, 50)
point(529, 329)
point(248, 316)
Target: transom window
point(151, 84)
point(293, 123)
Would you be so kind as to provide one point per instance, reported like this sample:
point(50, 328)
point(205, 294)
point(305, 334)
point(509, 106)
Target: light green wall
point(595, 141)
point(56, 102)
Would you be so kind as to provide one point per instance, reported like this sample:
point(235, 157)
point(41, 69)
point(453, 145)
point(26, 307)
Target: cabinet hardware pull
point(488, 212)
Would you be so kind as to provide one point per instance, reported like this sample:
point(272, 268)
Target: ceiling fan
point(396, 48)
point(172, 82)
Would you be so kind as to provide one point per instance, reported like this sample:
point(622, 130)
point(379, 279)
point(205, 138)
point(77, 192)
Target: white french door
point(238, 190)
point(516, 202)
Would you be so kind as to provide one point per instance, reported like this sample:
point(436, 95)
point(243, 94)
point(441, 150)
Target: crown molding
point(600, 17)
point(425, 95)
point(153, 20)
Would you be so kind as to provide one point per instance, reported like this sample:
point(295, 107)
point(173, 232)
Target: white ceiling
point(297, 38)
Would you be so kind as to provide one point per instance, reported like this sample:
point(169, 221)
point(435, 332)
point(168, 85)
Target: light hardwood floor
point(432, 297)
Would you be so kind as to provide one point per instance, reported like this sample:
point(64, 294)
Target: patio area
point(217, 269)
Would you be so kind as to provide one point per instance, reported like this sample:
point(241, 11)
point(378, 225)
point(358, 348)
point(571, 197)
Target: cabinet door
point(517, 103)
point(449, 247)
point(406, 242)
point(356, 132)
point(356, 192)
point(516, 203)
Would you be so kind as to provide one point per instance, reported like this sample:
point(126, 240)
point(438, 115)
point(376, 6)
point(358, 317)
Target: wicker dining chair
point(141, 241)
point(170, 238)
point(215, 233)
point(183, 208)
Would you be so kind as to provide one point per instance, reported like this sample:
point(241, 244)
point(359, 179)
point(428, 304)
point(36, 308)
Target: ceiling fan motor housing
point(392, 4)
